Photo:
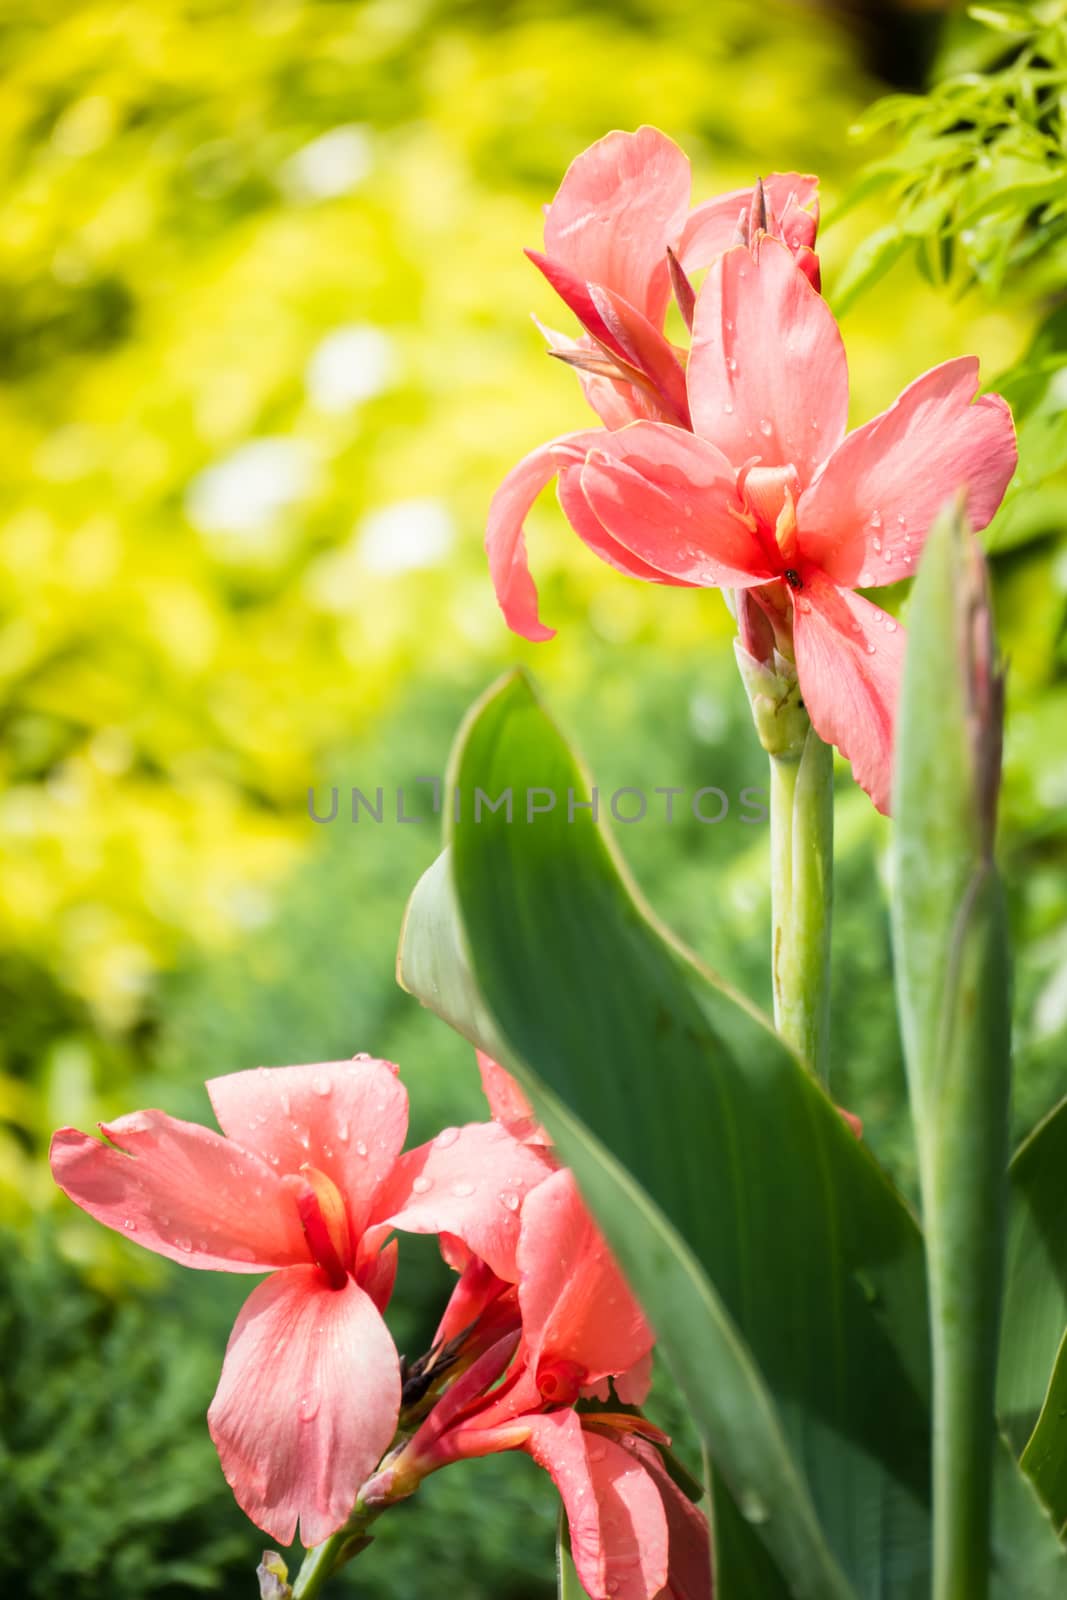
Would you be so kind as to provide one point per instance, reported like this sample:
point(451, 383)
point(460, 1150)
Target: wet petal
point(767, 372)
point(672, 500)
point(689, 1537)
point(864, 518)
point(615, 1517)
point(307, 1402)
point(850, 656)
point(576, 1305)
point(346, 1118)
point(470, 1182)
point(182, 1191)
point(621, 203)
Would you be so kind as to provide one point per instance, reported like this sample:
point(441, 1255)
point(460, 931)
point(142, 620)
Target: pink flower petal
point(346, 1118)
point(615, 1517)
point(576, 1305)
point(470, 1182)
point(687, 1527)
point(621, 203)
point(767, 372)
point(850, 656)
point(624, 333)
point(182, 1191)
point(711, 228)
point(507, 1102)
point(865, 516)
point(578, 512)
point(307, 1402)
point(646, 350)
point(615, 403)
point(672, 500)
point(632, 1386)
point(504, 539)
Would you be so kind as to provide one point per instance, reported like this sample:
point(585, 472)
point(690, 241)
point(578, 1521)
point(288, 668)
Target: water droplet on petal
point(184, 1244)
point(462, 1191)
point(321, 1084)
point(876, 519)
point(509, 1201)
point(361, 1148)
point(446, 1137)
point(870, 648)
point(130, 1226)
point(595, 1452)
point(890, 625)
point(887, 555)
point(731, 363)
point(728, 408)
point(866, 579)
point(342, 1133)
point(308, 1406)
point(765, 428)
point(422, 1185)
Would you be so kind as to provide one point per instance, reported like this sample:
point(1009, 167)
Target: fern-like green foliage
point(975, 180)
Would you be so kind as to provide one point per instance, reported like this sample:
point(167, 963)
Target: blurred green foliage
point(265, 355)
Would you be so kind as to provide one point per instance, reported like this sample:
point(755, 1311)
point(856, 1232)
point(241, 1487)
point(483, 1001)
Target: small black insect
point(793, 578)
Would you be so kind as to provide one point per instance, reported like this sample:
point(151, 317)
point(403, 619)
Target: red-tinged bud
point(754, 629)
point(684, 293)
point(324, 1221)
point(757, 212)
point(559, 1383)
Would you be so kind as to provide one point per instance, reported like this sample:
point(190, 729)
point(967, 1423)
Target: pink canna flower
point(576, 1325)
point(306, 1182)
point(771, 496)
point(619, 237)
point(768, 494)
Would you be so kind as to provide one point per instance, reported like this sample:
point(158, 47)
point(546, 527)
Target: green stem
point(802, 846)
point(319, 1563)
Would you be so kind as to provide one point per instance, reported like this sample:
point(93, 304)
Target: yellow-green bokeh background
point(221, 223)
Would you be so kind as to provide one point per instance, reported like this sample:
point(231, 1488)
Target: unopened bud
point(777, 709)
point(273, 1575)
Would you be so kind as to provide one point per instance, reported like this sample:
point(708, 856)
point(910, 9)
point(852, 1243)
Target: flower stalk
point(802, 846)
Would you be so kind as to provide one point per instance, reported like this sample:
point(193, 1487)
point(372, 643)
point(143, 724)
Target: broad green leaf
point(1026, 1551)
point(1035, 1298)
point(1045, 1457)
point(783, 1274)
point(950, 945)
point(953, 984)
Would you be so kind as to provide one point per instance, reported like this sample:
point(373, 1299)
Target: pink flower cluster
point(540, 1348)
point(727, 464)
